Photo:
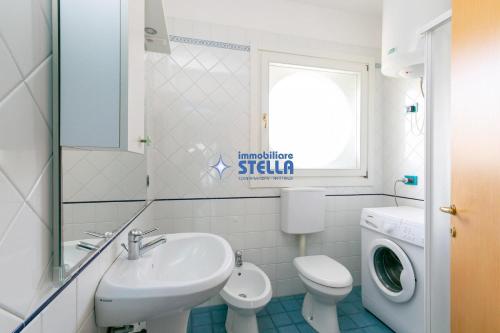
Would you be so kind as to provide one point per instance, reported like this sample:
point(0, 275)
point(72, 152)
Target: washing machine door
point(391, 270)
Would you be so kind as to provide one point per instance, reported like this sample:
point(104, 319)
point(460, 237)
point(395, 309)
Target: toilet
point(247, 291)
point(326, 281)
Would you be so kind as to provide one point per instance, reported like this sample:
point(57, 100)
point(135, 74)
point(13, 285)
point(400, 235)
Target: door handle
point(452, 210)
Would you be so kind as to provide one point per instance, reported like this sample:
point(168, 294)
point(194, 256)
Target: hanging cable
point(402, 180)
point(422, 86)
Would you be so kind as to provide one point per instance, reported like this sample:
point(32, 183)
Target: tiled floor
point(282, 315)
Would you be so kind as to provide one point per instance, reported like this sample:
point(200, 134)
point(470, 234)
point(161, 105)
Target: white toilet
point(247, 291)
point(326, 280)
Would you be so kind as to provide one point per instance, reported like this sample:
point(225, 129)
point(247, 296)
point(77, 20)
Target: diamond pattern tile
point(26, 149)
point(200, 112)
point(103, 175)
point(403, 144)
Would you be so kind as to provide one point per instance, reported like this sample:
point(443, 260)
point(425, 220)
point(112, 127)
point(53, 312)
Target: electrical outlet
point(412, 108)
point(412, 180)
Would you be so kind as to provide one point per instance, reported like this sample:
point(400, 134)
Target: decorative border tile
point(209, 43)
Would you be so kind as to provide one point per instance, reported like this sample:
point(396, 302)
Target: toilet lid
point(323, 270)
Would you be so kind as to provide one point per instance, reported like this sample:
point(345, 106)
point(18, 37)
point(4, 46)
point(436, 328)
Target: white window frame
point(260, 60)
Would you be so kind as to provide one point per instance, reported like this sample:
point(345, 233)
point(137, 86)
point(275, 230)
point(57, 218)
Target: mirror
point(100, 180)
point(101, 191)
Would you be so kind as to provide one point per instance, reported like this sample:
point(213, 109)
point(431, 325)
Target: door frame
point(426, 32)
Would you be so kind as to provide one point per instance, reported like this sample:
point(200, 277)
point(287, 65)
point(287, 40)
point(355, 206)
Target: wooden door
point(475, 117)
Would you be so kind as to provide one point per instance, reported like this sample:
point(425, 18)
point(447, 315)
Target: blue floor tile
point(346, 323)
point(284, 315)
point(281, 319)
point(202, 329)
point(288, 329)
point(364, 319)
point(290, 305)
point(268, 330)
point(347, 308)
point(380, 328)
point(262, 313)
point(296, 316)
point(200, 319)
point(265, 323)
point(305, 328)
point(274, 307)
point(219, 328)
point(219, 316)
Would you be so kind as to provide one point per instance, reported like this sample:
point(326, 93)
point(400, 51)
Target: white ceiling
point(364, 6)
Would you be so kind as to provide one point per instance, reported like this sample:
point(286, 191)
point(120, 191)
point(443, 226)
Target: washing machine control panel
point(399, 228)
point(408, 232)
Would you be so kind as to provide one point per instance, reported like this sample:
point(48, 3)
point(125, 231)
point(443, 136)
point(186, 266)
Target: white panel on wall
point(404, 144)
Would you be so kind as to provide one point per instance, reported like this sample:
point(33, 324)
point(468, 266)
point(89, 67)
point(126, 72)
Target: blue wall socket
point(412, 108)
point(412, 180)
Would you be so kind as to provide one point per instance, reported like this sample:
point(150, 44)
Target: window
point(316, 109)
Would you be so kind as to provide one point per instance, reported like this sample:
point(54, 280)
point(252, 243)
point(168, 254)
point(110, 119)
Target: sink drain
point(242, 295)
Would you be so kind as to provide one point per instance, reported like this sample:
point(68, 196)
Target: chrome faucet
point(135, 248)
point(82, 245)
point(238, 255)
point(106, 235)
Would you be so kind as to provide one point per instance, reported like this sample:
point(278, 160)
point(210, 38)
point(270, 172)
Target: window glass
point(314, 113)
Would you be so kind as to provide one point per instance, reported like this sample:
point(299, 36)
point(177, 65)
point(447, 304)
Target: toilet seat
point(324, 271)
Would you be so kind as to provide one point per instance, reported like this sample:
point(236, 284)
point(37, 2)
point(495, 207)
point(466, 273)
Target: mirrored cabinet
point(101, 74)
point(100, 176)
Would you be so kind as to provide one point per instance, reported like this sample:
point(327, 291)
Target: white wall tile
point(25, 250)
point(8, 322)
point(89, 325)
point(60, 315)
point(35, 326)
point(26, 32)
point(404, 151)
point(27, 147)
point(10, 203)
point(86, 285)
point(41, 91)
point(38, 198)
point(10, 74)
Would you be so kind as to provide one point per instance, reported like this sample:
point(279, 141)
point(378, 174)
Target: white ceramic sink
point(163, 285)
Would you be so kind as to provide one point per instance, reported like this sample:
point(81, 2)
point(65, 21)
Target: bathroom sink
point(164, 284)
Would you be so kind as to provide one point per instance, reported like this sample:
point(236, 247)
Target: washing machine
point(393, 261)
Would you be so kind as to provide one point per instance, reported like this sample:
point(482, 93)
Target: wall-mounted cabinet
point(101, 74)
